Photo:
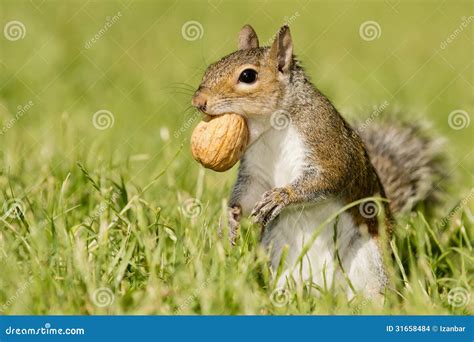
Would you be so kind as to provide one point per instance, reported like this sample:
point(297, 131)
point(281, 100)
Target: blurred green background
point(61, 62)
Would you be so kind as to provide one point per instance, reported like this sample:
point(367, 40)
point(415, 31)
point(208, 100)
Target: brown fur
point(338, 162)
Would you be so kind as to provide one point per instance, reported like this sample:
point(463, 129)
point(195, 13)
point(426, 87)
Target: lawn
point(104, 211)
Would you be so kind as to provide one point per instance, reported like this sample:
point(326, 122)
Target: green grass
point(113, 209)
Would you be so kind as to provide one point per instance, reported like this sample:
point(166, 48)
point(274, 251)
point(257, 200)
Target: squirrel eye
point(248, 76)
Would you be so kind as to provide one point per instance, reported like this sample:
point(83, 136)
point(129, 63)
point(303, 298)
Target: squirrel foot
point(270, 206)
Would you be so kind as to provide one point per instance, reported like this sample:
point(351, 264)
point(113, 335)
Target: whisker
point(178, 91)
point(188, 108)
point(184, 85)
point(181, 93)
point(183, 89)
point(178, 87)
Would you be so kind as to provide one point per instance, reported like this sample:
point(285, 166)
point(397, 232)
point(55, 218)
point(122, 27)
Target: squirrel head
point(250, 81)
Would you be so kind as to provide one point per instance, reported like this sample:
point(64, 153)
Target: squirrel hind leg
point(408, 162)
point(365, 268)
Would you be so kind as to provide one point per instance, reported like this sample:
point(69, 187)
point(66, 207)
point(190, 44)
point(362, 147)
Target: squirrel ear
point(247, 38)
point(282, 49)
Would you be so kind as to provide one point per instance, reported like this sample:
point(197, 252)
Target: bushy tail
point(408, 162)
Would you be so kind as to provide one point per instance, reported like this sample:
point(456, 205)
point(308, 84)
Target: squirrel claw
point(233, 217)
point(270, 206)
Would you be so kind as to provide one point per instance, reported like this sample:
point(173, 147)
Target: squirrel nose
point(200, 101)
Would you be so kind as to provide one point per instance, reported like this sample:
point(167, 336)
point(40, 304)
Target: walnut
point(218, 142)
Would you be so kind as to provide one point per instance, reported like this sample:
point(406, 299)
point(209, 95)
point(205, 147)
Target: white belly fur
point(276, 160)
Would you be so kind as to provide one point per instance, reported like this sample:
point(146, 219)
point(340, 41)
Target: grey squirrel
point(305, 162)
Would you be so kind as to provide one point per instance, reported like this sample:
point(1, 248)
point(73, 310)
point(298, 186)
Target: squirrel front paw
point(270, 206)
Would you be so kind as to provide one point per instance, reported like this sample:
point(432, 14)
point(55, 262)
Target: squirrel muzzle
point(200, 100)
